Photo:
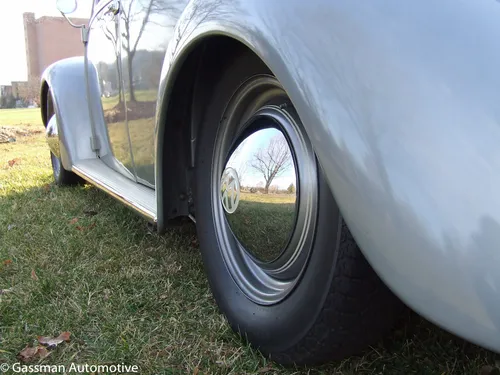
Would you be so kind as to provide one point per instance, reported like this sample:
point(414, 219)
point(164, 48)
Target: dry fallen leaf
point(46, 187)
point(14, 162)
point(196, 370)
point(33, 275)
point(74, 220)
point(80, 228)
point(28, 353)
point(43, 352)
point(54, 341)
point(39, 351)
point(7, 262)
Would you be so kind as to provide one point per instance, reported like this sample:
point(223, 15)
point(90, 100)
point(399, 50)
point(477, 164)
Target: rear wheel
point(61, 176)
point(282, 264)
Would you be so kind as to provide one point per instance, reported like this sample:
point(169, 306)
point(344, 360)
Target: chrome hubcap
point(262, 170)
point(265, 191)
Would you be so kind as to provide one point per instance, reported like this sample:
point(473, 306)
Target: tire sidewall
point(277, 327)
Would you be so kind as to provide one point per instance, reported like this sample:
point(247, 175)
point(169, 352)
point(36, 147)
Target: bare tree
point(273, 160)
point(129, 15)
point(199, 11)
point(241, 171)
point(30, 90)
point(113, 37)
point(274, 189)
point(139, 11)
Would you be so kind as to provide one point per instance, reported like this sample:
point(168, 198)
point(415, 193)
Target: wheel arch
point(44, 90)
point(179, 117)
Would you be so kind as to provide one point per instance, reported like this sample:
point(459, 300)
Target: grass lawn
point(73, 259)
point(263, 223)
point(140, 95)
point(26, 117)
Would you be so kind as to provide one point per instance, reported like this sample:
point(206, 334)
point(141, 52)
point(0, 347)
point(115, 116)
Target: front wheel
point(281, 262)
point(62, 177)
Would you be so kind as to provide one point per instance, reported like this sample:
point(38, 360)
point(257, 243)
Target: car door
point(105, 53)
point(146, 27)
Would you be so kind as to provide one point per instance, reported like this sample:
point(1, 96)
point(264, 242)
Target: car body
point(399, 100)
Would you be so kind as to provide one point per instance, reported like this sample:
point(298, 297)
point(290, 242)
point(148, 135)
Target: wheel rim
point(265, 261)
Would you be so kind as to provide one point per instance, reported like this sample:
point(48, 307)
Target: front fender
point(400, 100)
point(66, 81)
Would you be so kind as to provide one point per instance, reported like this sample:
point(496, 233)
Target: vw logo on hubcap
point(230, 190)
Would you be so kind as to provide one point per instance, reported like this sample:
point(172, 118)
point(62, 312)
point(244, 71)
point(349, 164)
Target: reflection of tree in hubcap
point(265, 217)
point(230, 190)
point(273, 160)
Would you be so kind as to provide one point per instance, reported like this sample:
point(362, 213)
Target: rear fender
point(66, 81)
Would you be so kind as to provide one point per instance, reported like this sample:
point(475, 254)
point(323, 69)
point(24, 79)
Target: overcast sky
point(13, 57)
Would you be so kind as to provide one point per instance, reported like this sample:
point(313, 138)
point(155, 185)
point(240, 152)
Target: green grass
point(128, 295)
point(140, 96)
point(141, 131)
point(141, 128)
point(263, 223)
point(26, 117)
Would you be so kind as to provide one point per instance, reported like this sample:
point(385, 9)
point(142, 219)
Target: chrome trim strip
point(147, 214)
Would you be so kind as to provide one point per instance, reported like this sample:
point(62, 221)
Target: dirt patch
point(136, 111)
point(10, 134)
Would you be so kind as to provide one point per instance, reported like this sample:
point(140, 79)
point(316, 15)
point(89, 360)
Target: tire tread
point(342, 320)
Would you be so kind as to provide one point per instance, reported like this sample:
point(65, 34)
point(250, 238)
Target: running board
point(134, 195)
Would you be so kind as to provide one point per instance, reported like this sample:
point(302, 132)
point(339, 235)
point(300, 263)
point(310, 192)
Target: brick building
point(5, 90)
point(49, 39)
point(19, 88)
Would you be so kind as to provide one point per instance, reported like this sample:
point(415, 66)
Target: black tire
point(62, 177)
point(338, 308)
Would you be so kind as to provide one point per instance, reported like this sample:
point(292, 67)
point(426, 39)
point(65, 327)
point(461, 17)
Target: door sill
point(138, 197)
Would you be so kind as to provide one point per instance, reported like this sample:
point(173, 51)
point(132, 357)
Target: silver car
point(333, 155)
